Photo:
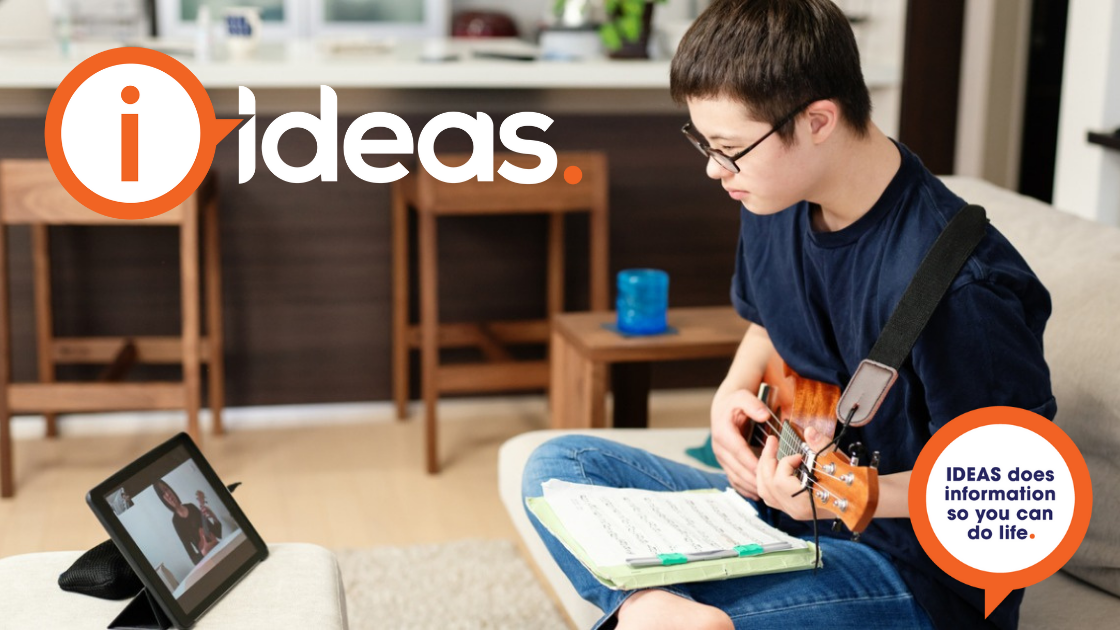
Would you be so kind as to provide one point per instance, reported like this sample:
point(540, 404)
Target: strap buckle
point(865, 392)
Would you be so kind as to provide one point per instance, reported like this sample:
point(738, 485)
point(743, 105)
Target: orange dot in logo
point(1032, 535)
point(130, 94)
point(572, 174)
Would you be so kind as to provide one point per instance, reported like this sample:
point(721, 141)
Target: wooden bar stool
point(31, 195)
point(431, 199)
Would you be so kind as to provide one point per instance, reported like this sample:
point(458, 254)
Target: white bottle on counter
point(60, 16)
point(202, 43)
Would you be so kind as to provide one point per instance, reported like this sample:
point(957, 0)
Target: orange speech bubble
point(212, 131)
point(997, 586)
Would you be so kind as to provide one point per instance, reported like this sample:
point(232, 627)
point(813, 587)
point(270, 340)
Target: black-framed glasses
point(728, 161)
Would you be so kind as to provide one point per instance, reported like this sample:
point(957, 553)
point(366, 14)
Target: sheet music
point(613, 524)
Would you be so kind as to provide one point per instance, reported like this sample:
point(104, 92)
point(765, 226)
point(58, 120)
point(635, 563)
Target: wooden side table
point(582, 351)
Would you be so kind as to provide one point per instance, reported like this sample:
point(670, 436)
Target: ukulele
point(838, 483)
point(201, 496)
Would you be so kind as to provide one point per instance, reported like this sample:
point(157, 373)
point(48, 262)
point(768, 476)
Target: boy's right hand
point(731, 415)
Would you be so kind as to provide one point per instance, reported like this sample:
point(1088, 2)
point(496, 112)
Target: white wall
point(24, 19)
point(882, 42)
point(992, 92)
point(1087, 178)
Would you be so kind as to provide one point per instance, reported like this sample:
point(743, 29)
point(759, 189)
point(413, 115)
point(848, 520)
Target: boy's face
point(772, 176)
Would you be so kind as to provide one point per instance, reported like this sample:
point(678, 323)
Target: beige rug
point(454, 586)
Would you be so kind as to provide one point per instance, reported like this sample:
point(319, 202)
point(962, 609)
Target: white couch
point(298, 586)
point(1079, 262)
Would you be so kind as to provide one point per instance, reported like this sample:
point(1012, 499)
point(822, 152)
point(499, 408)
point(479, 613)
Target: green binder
point(627, 578)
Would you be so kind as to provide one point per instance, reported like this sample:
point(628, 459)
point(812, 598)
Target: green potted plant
point(627, 29)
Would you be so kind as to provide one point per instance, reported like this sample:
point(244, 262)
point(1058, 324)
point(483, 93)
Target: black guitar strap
point(878, 372)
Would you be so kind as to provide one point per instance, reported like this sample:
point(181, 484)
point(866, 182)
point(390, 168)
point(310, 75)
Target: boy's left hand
point(778, 481)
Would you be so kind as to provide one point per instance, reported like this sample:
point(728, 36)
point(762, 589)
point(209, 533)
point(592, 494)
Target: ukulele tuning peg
point(855, 536)
point(856, 453)
point(875, 460)
point(764, 393)
point(836, 525)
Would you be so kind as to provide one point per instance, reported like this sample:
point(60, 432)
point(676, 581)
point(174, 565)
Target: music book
point(620, 534)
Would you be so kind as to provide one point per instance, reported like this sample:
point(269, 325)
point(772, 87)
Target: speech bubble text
point(1000, 498)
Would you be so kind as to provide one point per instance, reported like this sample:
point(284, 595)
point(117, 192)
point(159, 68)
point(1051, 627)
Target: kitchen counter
point(370, 76)
point(303, 63)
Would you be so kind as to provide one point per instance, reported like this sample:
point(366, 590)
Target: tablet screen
point(171, 514)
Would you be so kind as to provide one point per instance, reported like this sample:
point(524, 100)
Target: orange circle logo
point(1007, 474)
point(131, 133)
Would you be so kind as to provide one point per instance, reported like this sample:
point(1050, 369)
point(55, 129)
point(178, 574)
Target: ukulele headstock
point(838, 483)
point(848, 491)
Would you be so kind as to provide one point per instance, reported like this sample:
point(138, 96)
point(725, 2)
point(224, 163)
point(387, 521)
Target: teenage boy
point(835, 218)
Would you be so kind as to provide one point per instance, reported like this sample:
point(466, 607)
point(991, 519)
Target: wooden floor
point(355, 484)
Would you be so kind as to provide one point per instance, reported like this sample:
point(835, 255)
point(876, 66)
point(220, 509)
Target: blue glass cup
point(643, 301)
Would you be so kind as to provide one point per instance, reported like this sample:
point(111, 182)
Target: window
point(316, 18)
point(384, 18)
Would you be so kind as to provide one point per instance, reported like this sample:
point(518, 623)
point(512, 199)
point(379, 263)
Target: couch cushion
point(1079, 262)
point(1062, 601)
point(298, 586)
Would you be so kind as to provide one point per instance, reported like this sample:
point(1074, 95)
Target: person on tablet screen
point(198, 527)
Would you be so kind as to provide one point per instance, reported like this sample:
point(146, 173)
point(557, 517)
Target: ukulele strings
point(802, 467)
point(761, 442)
point(775, 420)
point(812, 481)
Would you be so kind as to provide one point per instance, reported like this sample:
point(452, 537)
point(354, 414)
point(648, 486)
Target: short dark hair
point(159, 486)
point(773, 56)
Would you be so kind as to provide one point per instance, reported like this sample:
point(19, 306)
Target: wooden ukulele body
point(850, 492)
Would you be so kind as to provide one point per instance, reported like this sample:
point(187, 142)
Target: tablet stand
point(142, 613)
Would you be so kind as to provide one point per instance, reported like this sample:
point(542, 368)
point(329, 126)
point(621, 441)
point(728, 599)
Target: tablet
point(179, 528)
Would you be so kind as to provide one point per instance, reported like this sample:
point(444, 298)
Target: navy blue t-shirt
point(823, 297)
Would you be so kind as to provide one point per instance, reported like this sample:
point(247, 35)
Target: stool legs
point(44, 333)
point(600, 255)
point(214, 334)
point(400, 302)
point(189, 286)
point(429, 333)
point(555, 263)
point(7, 485)
point(555, 269)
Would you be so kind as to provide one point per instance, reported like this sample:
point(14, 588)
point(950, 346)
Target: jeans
point(857, 587)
